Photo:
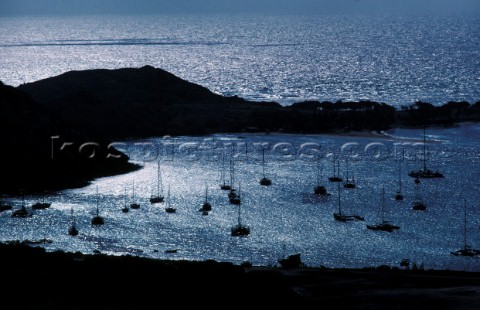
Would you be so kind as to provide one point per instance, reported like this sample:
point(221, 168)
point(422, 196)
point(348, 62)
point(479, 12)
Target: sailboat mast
point(222, 175)
point(424, 151)
point(133, 191)
point(239, 204)
point(263, 162)
point(465, 223)
point(318, 170)
point(400, 172)
point(383, 205)
point(125, 198)
point(347, 169)
point(158, 179)
point(97, 200)
point(339, 204)
point(232, 177)
point(168, 196)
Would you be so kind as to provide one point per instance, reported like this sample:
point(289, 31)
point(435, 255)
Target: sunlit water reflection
point(285, 217)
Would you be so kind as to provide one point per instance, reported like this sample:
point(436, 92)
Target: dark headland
point(101, 106)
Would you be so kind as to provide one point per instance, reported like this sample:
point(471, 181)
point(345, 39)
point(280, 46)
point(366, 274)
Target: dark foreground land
point(34, 279)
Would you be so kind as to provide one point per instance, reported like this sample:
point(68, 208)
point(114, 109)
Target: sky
point(75, 7)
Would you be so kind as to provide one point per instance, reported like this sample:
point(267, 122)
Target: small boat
point(425, 173)
point(97, 219)
point(158, 198)
point(384, 225)
point(291, 262)
point(418, 204)
point(22, 212)
point(339, 216)
point(169, 208)
point(125, 209)
point(134, 205)
point(206, 206)
point(223, 185)
point(319, 189)
point(233, 196)
point(264, 180)
point(398, 194)
point(349, 183)
point(239, 229)
point(466, 250)
point(41, 205)
point(73, 231)
point(336, 172)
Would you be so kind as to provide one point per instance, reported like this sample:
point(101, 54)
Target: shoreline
point(80, 281)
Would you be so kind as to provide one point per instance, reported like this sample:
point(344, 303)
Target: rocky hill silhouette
point(102, 106)
point(30, 163)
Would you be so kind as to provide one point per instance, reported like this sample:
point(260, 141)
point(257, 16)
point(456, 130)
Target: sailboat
point(73, 231)
point(264, 180)
point(223, 185)
point(339, 216)
point(349, 183)
point(134, 205)
point(41, 205)
point(320, 190)
point(335, 177)
point(169, 208)
point(467, 250)
point(97, 219)
point(233, 196)
point(384, 225)
point(239, 229)
point(22, 212)
point(425, 172)
point(158, 197)
point(398, 194)
point(125, 209)
point(418, 204)
point(206, 206)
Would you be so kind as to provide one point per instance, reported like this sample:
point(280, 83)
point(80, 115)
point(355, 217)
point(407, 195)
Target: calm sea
point(285, 217)
point(285, 58)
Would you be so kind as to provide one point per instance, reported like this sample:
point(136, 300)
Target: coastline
point(99, 281)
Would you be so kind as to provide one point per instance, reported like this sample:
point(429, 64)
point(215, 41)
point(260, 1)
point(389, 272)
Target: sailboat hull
point(156, 199)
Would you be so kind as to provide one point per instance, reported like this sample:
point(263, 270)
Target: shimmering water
point(286, 58)
point(285, 217)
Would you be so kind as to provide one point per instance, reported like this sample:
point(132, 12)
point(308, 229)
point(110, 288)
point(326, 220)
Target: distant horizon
point(150, 7)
